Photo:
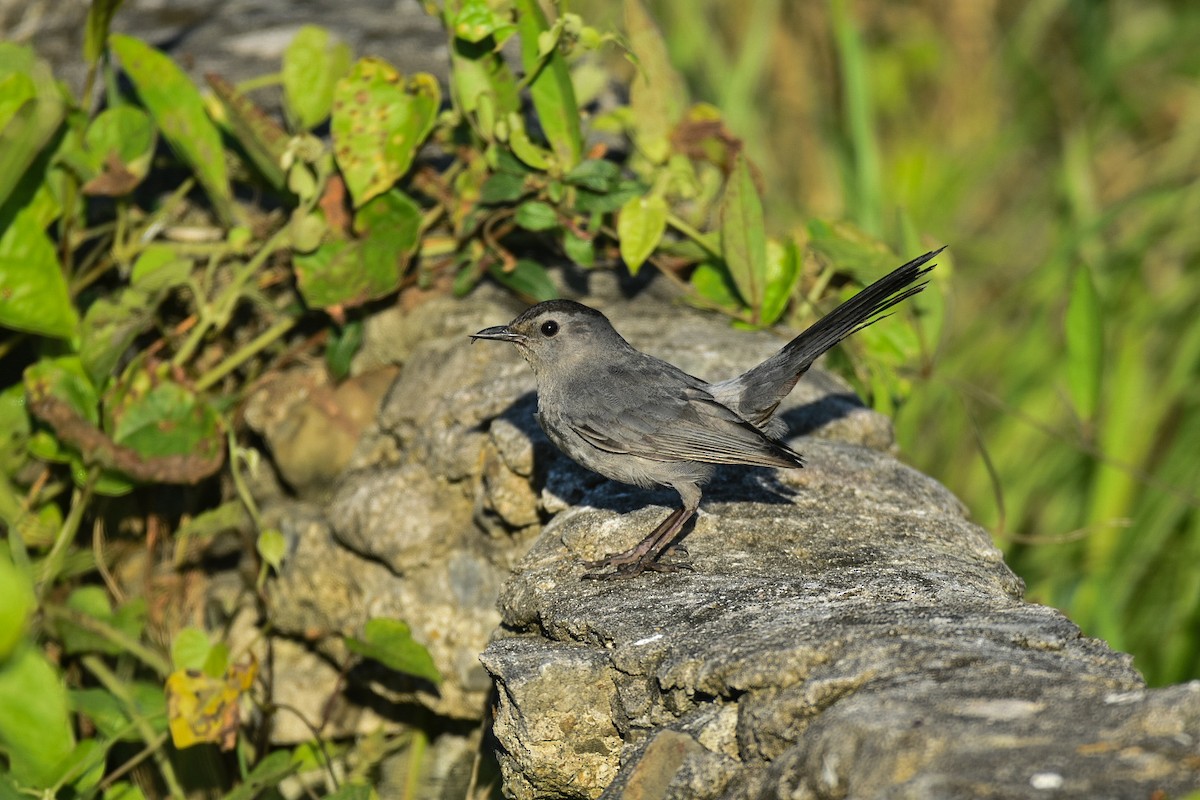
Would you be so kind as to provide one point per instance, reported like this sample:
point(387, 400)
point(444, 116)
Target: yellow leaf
point(201, 708)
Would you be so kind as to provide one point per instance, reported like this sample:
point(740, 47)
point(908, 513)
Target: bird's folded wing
point(686, 425)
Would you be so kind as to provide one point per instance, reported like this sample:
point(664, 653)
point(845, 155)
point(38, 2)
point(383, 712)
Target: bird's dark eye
point(549, 328)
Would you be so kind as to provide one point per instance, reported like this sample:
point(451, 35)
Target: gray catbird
point(639, 420)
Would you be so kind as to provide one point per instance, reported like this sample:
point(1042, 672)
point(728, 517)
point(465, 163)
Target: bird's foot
point(630, 565)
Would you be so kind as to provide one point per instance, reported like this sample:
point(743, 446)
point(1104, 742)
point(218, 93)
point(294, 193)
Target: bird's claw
point(625, 565)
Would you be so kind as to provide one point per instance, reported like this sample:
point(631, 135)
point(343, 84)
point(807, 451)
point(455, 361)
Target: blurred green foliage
point(1055, 146)
point(142, 297)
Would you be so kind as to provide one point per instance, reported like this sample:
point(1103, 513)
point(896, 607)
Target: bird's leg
point(644, 556)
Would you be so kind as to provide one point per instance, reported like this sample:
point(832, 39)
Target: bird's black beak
point(501, 333)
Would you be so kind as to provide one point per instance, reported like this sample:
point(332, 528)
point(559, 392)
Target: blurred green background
point(1055, 146)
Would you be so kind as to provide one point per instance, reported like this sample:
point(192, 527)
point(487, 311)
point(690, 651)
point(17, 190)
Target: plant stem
point(261, 342)
point(680, 224)
point(119, 690)
point(128, 643)
point(66, 534)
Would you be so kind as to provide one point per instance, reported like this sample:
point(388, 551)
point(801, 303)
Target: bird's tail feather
point(757, 393)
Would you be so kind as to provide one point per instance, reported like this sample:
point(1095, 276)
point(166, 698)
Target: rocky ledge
point(846, 631)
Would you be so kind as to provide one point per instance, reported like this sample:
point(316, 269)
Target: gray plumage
point(639, 420)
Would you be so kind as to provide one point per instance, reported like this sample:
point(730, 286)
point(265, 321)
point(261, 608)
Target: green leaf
point(272, 547)
point(390, 642)
point(341, 273)
point(536, 216)
point(475, 21)
point(849, 249)
point(354, 791)
point(595, 174)
point(502, 187)
point(391, 229)
point(16, 604)
point(159, 268)
point(31, 110)
point(92, 601)
point(120, 144)
point(124, 791)
point(1085, 344)
point(267, 774)
point(217, 661)
point(528, 279)
point(35, 297)
point(312, 65)
point(344, 343)
point(164, 433)
point(171, 434)
point(260, 136)
point(589, 202)
point(712, 283)
point(178, 110)
point(64, 379)
point(782, 273)
point(190, 649)
point(743, 235)
point(35, 725)
point(109, 328)
point(523, 147)
point(640, 228)
point(109, 714)
point(580, 249)
point(482, 85)
point(550, 87)
point(379, 123)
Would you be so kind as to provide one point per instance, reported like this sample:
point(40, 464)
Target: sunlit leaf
point(390, 642)
point(31, 109)
point(482, 85)
point(16, 603)
point(743, 234)
point(120, 143)
point(712, 283)
point(350, 272)
point(272, 547)
point(536, 216)
point(379, 122)
point(640, 228)
point(178, 109)
point(550, 89)
point(190, 649)
point(34, 295)
point(259, 135)
point(312, 65)
point(162, 431)
point(475, 21)
point(35, 724)
point(781, 274)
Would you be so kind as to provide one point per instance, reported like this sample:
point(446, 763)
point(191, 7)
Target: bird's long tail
point(756, 394)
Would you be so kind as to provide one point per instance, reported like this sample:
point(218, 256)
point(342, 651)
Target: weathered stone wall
point(847, 632)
